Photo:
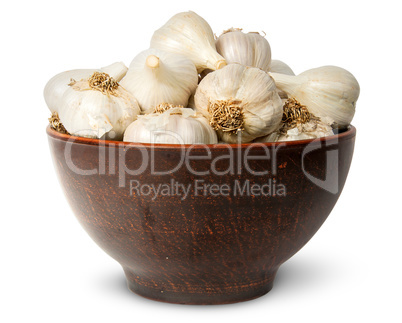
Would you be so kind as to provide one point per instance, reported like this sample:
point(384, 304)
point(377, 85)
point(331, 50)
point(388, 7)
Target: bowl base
point(197, 295)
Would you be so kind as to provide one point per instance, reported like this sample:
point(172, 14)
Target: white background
point(52, 271)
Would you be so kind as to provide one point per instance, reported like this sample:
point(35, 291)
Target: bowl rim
point(350, 132)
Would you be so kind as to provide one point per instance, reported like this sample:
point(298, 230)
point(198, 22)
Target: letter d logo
point(330, 183)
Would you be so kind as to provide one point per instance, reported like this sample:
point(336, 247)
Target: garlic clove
point(59, 83)
point(188, 34)
point(156, 76)
point(327, 91)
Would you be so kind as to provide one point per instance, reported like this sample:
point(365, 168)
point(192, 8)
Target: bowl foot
point(198, 295)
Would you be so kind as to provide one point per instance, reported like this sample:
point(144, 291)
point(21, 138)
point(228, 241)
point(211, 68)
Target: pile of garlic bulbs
point(191, 87)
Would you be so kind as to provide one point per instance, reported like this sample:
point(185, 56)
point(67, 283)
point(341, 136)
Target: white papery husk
point(327, 91)
point(249, 49)
point(315, 128)
point(174, 126)
point(188, 34)
point(256, 92)
point(86, 112)
point(58, 84)
point(172, 81)
point(278, 66)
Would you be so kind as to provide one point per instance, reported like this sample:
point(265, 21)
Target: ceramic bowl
point(201, 224)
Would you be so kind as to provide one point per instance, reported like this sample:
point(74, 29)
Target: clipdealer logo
point(203, 188)
point(114, 159)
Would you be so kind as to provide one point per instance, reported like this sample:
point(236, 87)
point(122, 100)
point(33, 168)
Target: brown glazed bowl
point(201, 224)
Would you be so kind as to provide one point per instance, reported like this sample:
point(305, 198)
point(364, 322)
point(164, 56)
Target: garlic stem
point(152, 61)
point(287, 83)
point(116, 70)
point(220, 64)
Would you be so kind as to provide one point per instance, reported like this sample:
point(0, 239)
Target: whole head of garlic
point(299, 124)
point(188, 34)
point(239, 101)
point(174, 125)
point(327, 91)
point(156, 76)
point(97, 107)
point(249, 49)
point(59, 83)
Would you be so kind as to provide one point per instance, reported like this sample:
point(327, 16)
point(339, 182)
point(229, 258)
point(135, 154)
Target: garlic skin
point(116, 70)
point(278, 66)
point(249, 49)
point(174, 126)
point(188, 34)
point(191, 102)
point(92, 113)
point(239, 101)
point(156, 76)
point(310, 130)
point(58, 84)
point(327, 91)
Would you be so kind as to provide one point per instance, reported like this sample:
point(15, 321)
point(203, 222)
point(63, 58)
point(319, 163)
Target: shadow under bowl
point(201, 224)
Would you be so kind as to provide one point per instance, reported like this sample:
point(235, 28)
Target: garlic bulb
point(156, 76)
point(174, 126)
point(249, 49)
point(97, 107)
point(278, 66)
point(327, 91)
point(58, 84)
point(298, 124)
point(188, 34)
point(239, 100)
